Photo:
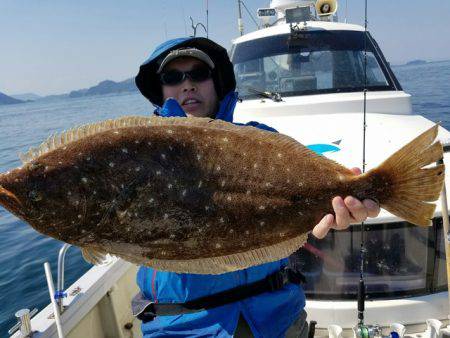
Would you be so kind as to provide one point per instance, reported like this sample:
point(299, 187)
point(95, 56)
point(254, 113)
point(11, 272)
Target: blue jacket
point(268, 315)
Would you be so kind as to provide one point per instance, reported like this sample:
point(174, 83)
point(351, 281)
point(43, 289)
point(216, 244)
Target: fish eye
point(34, 196)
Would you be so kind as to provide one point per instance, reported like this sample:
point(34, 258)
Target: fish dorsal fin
point(60, 140)
point(64, 138)
point(77, 133)
point(285, 142)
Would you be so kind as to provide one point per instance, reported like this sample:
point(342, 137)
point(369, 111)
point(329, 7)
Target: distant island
point(102, 88)
point(27, 97)
point(106, 87)
point(412, 63)
point(126, 86)
point(416, 62)
point(5, 99)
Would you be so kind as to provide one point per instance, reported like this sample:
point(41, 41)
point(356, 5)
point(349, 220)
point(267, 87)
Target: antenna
point(250, 14)
point(207, 19)
point(240, 23)
point(184, 19)
point(346, 1)
point(165, 20)
point(194, 27)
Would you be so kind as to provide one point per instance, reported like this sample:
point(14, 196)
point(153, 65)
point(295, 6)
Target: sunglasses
point(174, 77)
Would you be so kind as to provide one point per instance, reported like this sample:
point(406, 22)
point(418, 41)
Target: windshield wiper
point(275, 96)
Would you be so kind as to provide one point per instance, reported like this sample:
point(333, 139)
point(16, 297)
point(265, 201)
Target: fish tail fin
point(96, 257)
point(408, 180)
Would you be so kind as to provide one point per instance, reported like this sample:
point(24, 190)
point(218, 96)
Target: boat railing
point(59, 293)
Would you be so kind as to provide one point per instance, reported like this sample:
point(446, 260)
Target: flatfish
point(196, 195)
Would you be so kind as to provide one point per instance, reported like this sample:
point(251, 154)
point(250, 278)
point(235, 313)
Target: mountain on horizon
point(416, 62)
point(106, 87)
point(26, 96)
point(5, 99)
point(128, 86)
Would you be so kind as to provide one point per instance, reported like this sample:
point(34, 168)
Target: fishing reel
point(372, 331)
point(367, 331)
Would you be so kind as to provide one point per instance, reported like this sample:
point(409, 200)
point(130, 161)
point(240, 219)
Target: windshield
point(311, 63)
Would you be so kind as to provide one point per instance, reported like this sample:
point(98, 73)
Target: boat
point(310, 77)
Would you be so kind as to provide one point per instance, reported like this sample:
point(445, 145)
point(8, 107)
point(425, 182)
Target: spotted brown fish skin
point(186, 190)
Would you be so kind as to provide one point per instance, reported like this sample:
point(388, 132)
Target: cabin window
point(315, 63)
point(401, 260)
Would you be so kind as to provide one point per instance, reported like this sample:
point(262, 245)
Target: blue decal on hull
point(322, 148)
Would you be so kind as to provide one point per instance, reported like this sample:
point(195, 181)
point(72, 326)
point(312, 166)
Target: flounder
point(204, 196)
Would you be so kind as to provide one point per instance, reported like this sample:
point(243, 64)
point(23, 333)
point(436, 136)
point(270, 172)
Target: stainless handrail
point(25, 315)
point(59, 293)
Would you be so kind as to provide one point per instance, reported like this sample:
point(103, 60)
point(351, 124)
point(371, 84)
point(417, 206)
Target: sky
point(53, 47)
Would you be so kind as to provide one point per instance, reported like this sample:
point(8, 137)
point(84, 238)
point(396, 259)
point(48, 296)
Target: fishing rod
point(370, 331)
point(446, 231)
point(362, 330)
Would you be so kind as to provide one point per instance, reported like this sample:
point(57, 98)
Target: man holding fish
point(194, 77)
point(216, 205)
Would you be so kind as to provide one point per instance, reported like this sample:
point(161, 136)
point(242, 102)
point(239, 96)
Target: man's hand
point(348, 210)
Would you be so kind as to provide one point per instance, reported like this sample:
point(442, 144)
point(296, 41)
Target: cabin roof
point(284, 28)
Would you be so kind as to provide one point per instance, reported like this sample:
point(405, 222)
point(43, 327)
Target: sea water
point(23, 251)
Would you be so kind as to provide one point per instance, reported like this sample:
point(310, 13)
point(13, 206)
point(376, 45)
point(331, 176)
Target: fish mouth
point(10, 201)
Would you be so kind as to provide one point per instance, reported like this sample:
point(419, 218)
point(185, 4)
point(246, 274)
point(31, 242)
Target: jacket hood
point(147, 80)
